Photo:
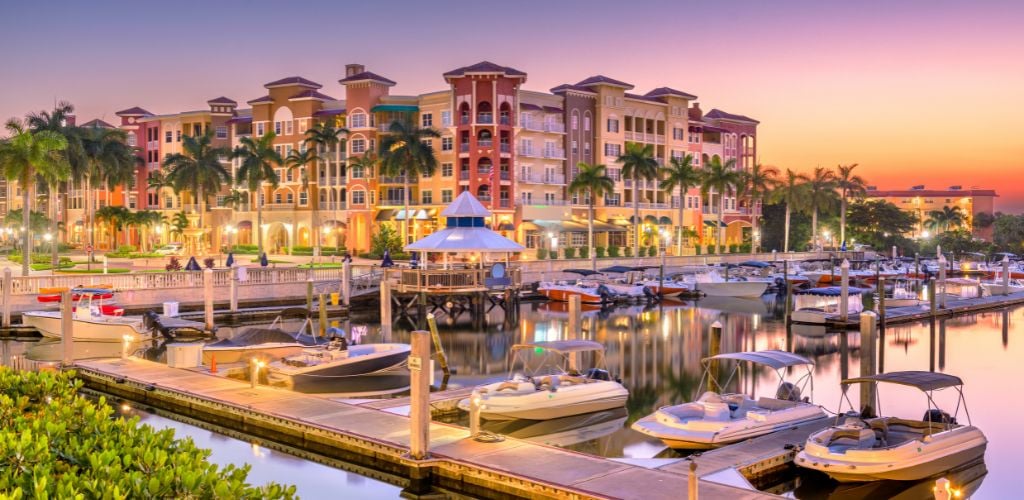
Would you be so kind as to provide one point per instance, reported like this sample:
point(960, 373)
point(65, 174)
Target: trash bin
point(184, 355)
point(171, 309)
point(334, 298)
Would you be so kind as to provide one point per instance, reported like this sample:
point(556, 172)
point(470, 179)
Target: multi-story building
point(921, 202)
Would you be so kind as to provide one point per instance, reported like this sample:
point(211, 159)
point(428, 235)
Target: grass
point(96, 270)
point(47, 267)
point(321, 265)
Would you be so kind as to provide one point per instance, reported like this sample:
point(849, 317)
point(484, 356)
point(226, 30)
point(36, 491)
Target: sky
point(915, 92)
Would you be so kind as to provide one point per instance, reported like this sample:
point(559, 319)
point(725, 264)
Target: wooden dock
point(379, 439)
point(954, 307)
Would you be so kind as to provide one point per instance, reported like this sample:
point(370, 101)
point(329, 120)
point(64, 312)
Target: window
point(549, 198)
point(169, 136)
point(427, 119)
point(358, 120)
point(260, 128)
point(131, 139)
point(526, 197)
point(613, 150)
point(446, 196)
point(356, 172)
point(222, 132)
point(447, 170)
point(289, 127)
point(358, 146)
point(586, 123)
point(579, 239)
point(446, 118)
point(277, 128)
point(677, 134)
point(303, 197)
point(575, 122)
point(277, 198)
point(177, 136)
point(427, 197)
point(447, 143)
point(696, 160)
point(358, 197)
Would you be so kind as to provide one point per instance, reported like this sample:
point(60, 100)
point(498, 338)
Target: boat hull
point(244, 354)
point(105, 329)
point(727, 433)
point(747, 289)
point(563, 295)
point(545, 405)
point(301, 378)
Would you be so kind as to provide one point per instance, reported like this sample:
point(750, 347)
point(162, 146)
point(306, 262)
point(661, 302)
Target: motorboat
point(903, 294)
point(998, 288)
point(588, 291)
point(335, 361)
point(89, 321)
point(861, 448)
point(549, 386)
point(565, 431)
point(717, 419)
point(262, 343)
point(630, 285)
point(961, 288)
point(712, 284)
point(816, 305)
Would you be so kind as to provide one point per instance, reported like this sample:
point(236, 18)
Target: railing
point(554, 153)
point(661, 139)
point(554, 127)
point(504, 120)
point(505, 175)
point(506, 147)
point(332, 205)
point(464, 120)
point(484, 197)
point(393, 180)
point(483, 170)
point(506, 203)
point(485, 118)
point(464, 147)
point(463, 175)
point(532, 125)
point(397, 201)
point(628, 135)
point(484, 143)
point(386, 127)
point(279, 206)
point(448, 280)
point(608, 202)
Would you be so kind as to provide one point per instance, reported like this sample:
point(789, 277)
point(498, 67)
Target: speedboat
point(551, 389)
point(263, 343)
point(961, 288)
point(860, 448)
point(998, 288)
point(716, 419)
point(713, 284)
point(903, 295)
point(335, 360)
point(561, 291)
point(816, 305)
point(89, 321)
point(565, 431)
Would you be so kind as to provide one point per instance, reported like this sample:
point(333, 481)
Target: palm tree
point(821, 197)
point(115, 217)
point(236, 198)
point(103, 155)
point(23, 156)
point(945, 219)
point(179, 221)
point(683, 175)
point(198, 168)
point(257, 166)
point(299, 160)
point(591, 180)
point(724, 179)
point(792, 191)
point(323, 138)
point(404, 153)
point(848, 185)
point(54, 121)
point(757, 183)
point(638, 163)
point(144, 220)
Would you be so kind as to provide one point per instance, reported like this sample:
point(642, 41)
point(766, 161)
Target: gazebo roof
point(466, 205)
point(465, 239)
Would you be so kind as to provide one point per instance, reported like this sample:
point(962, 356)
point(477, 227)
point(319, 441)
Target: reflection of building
point(921, 202)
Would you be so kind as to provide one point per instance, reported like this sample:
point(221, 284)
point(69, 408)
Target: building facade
point(921, 202)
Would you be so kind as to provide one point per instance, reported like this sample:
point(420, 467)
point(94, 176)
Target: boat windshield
point(926, 382)
point(780, 361)
point(554, 357)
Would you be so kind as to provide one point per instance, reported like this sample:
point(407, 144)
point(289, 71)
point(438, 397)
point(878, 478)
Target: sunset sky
point(928, 92)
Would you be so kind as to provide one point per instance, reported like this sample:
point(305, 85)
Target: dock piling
point(932, 294)
point(942, 280)
point(881, 302)
point(868, 333)
point(713, 350)
point(7, 284)
point(322, 320)
point(346, 282)
point(419, 387)
point(208, 298)
point(844, 290)
point(442, 358)
point(309, 294)
point(67, 336)
point(693, 482)
point(234, 288)
point(789, 290)
point(475, 401)
point(1006, 276)
point(385, 309)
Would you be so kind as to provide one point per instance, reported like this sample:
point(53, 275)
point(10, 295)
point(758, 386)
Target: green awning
point(711, 223)
point(665, 221)
point(397, 108)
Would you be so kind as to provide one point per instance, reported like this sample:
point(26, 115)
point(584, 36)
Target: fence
point(449, 280)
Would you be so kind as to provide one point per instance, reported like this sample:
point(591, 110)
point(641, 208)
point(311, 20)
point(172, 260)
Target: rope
point(489, 437)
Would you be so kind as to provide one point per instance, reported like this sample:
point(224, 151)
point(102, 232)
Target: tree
point(257, 167)
point(55, 121)
point(146, 219)
point(821, 197)
point(592, 181)
point(300, 160)
point(116, 218)
point(680, 173)
point(102, 155)
point(179, 221)
point(793, 193)
point(943, 220)
point(723, 179)
point(236, 198)
point(1008, 232)
point(849, 185)
point(879, 223)
point(757, 183)
point(198, 169)
point(23, 156)
point(638, 164)
point(324, 139)
point(406, 152)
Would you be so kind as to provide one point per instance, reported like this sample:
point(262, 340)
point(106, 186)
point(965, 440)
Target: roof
point(466, 205)
point(135, 111)
point(644, 98)
point(221, 100)
point(910, 193)
point(565, 87)
point(396, 108)
point(260, 100)
point(525, 106)
point(293, 80)
point(552, 109)
point(773, 358)
point(96, 123)
point(311, 94)
point(722, 115)
point(667, 91)
point(366, 76)
point(562, 346)
point(485, 67)
point(603, 80)
point(330, 112)
point(925, 381)
point(240, 119)
point(465, 239)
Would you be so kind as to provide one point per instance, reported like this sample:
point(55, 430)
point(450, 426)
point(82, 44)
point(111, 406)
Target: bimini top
point(925, 381)
point(562, 346)
point(833, 291)
point(773, 358)
point(582, 272)
point(620, 269)
point(760, 264)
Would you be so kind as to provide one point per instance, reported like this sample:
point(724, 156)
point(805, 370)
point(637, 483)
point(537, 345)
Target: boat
point(561, 291)
point(859, 448)
point(712, 284)
point(565, 431)
point(262, 343)
point(716, 419)
point(335, 361)
point(551, 389)
point(628, 286)
point(903, 294)
point(998, 288)
point(961, 288)
point(816, 305)
point(89, 321)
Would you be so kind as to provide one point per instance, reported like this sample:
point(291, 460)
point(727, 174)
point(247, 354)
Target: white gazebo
point(465, 233)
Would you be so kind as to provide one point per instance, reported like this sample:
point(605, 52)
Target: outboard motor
point(938, 417)
point(605, 293)
point(780, 285)
point(788, 392)
point(651, 296)
point(597, 374)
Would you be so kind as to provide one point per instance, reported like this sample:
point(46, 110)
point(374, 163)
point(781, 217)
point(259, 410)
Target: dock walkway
point(380, 439)
point(954, 307)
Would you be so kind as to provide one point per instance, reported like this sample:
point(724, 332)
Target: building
point(921, 202)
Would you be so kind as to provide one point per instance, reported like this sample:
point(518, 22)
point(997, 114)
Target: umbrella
point(263, 260)
point(387, 262)
point(192, 265)
point(231, 260)
point(843, 248)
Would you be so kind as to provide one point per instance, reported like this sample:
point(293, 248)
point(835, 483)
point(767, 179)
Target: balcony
point(463, 175)
point(385, 127)
point(505, 120)
point(521, 151)
point(464, 147)
point(505, 175)
point(484, 198)
point(397, 202)
point(332, 205)
point(506, 147)
point(279, 206)
point(555, 127)
point(485, 143)
point(464, 120)
point(554, 153)
point(505, 203)
point(532, 125)
point(544, 203)
point(628, 135)
point(660, 139)
point(485, 118)
point(392, 180)
point(484, 170)
point(612, 202)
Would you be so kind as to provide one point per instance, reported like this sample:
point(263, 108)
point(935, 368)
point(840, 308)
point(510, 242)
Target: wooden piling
point(67, 335)
point(309, 294)
point(7, 284)
point(322, 320)
point(234, 288)
point(868, 343)
point(714, 349)
point(346, 282)
point(844, 290)
point(575, 330)
point(419, 410)
point(932, 294)
point(881, 302)
point(442, 358)
point(208, 298)
point(789, 290)
point(693, 482)
point(385, 310)
point(942, 281)
point(1006, 276)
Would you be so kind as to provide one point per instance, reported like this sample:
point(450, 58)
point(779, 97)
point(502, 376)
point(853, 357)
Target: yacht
point(550, 387)
point(91, 318)
point(903, 294)
point(712, 284)
point(816, 305)
point(717, 419)
point(335, 361)
point(859, 448)
point(264, 343)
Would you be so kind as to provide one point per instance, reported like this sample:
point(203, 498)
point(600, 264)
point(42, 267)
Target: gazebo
point(465, 233)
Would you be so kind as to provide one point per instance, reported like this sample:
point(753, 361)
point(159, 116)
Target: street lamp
point(828, 237)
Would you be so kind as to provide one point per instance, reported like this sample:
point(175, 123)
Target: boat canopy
point(562, 346)
point(760, 264)
point(620, 269)
point(833, 291)
point(581, 272)
point(773, 358)
point(925, 381)
point(92, 291)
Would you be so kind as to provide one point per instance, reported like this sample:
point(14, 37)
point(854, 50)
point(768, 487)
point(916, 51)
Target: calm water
point(657, 351)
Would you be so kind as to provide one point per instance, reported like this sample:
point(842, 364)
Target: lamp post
point(827, 236)
point(554, 245)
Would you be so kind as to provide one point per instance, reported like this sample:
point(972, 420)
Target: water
point(657, 351)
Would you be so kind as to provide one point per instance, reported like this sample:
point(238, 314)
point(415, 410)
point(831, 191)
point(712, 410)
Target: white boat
point(263, 343)
point(903, 295)
point(335, 361)
point(719, 419)
point(890, 448)
point(551, 389)
point(816, 305)
point(961, 288)
point(88, 321)
point(713, 284)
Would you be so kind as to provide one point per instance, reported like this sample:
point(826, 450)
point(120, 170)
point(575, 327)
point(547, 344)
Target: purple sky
point(921, 92)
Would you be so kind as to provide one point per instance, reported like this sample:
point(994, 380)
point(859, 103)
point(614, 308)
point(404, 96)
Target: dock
point(372, 437)
point(954, 307)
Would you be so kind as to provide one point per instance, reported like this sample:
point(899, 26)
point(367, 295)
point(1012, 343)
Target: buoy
point(213, 363)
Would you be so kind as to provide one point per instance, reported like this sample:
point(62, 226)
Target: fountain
point(193, 234)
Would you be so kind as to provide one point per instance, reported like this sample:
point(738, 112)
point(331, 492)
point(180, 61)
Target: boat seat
point(773, 404)
point(710, 397)
point(716, 412)
point(676, 416)
point(745, 406)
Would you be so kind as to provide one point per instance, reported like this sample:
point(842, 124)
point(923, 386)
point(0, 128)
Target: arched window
point(484, 113)
point(464, 113)
point(483, 193)
point(484, 166)
point(505, 113)
point(484, 138)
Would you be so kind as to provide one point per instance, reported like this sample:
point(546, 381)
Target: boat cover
point(773, 358)
point(925, 381)
point(256, 336)
point(563, 346)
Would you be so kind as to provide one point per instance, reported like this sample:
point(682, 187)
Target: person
point(347, 258)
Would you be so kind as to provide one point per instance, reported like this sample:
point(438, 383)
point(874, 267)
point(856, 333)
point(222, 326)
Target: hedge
point(57, 444)
point(95, 270)
point(39, 258)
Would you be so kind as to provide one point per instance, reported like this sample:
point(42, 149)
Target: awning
point(560, 226)
point(665, 220)
point(925, 381)
point(245, 224)
point(621, 222)
point(604, 227)
point(711, 223)
point(774, 359)
point(506, 226)
point(384, 214)
point(397, 108)
point(416, 214)
point(529, 226)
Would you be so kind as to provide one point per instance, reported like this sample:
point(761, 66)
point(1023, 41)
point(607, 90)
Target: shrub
point(386, 238)
point(584, 252)
point(570, 253)
point(46, 267)
point(39, 258)
point(652, 251)
point(95, 270)
point(553, 254)
point(627, 252)
point(613, 252)
point(542, 253)
point(746, 248)
point(733, 248)
point(173, 265)
point(209, 262)
point(711, 249)
point(66, 446)
point(696, 250)
point(245, 249)
point(127, 249)
point(600, 252)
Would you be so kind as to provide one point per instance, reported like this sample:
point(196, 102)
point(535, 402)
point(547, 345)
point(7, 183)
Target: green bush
point(553, 255)
point(245, 249)
point(600, 252)
point(613, 252)
point(542, 253)
point(48, 266)
point(627, 252)
point(734, 248)
point(127, 249)
point(584, 252)
point(39, 258)
point(652, 251)
point(696, 250)
point(570, 253)
point(711, 249)
point(57, 444)
point(95, 270)
point(387, 237)
point(321, 265)
point(746, 248)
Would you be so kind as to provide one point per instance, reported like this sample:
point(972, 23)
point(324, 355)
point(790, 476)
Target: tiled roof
point(311, 94)
point(718, 114)
point(329, 112)
point(603, 80)
point(910, 193)
point(366, 75)
point(644, 98)
point(97, 123)
point(221, 100)
point(525, 106)
point(136, 111)
point(575, 88)
point(485, 67)
point(260, 100)
point(241, 119)
point(662, 91)
point(293, 80)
